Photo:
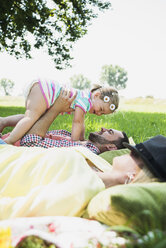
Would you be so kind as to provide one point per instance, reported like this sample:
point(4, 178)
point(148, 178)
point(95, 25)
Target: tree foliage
point(7, 86)
point(114, 76)
point(52, 24)
point(80, 82)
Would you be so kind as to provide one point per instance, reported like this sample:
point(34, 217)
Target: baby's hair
point(107, 91)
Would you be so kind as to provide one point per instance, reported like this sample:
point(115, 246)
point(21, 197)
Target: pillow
point(138, 205)
point(109, 155)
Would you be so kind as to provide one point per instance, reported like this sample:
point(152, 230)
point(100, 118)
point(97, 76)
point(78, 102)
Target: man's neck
point(86, 142)
point(95, 144)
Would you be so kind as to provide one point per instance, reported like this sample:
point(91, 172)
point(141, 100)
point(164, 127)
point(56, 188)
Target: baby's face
point(99, 107)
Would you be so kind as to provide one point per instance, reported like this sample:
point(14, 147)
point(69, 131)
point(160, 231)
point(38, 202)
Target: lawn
point(141, 124)
point(139, 118)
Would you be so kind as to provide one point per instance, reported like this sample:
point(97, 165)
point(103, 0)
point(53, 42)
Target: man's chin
point(92, 137)
point(96, 138)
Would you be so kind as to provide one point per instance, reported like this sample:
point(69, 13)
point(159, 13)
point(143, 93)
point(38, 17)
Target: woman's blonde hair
point(107, 91)
point(144, 175)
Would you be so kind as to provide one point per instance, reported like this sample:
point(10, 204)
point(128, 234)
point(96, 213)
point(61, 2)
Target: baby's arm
point(78, 128)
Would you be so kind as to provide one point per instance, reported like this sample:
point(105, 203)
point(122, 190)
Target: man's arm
point(62, 103)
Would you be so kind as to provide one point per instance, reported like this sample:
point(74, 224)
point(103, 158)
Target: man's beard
point(96, 138)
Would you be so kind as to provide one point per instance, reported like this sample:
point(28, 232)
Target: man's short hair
point(119, 141)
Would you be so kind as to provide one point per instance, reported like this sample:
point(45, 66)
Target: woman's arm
point(78, 128)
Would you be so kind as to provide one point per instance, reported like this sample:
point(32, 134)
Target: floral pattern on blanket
point(63, 232)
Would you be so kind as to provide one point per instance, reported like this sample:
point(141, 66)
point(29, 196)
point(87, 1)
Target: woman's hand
point(64, 100)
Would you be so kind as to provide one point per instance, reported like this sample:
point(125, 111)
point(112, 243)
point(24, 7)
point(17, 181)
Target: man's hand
point(64, 101)
point(62, 104)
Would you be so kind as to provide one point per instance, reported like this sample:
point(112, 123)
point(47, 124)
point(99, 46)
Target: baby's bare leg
point(10, 121)
point(61, 104)
point(42, 125)
point(36, 106)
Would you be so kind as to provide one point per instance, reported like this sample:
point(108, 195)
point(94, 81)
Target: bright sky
point(131, 35)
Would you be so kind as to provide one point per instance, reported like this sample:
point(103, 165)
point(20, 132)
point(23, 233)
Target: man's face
point(105, 136)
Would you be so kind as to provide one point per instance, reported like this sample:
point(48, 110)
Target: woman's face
point(126, 164)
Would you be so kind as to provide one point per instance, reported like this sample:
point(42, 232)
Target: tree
point(114, 76)
point(80, 82)
point(7, 85)
point(53, 24)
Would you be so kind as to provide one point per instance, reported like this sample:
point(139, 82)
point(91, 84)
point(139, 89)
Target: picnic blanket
point(62, 231)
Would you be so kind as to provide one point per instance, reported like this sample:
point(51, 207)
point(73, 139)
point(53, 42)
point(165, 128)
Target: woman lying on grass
point(145, 163)
point(39, 182)
point(59, 181)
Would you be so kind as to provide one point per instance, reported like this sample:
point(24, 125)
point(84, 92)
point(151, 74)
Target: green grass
point(139, 125)
point(139, 118)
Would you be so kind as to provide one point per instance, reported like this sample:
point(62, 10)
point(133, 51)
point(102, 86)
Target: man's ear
point(111, 147)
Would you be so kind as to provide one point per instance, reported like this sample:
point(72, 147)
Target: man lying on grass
point(39, 136)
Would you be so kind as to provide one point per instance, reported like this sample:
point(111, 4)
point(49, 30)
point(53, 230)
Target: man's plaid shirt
point(32, 140)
